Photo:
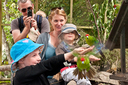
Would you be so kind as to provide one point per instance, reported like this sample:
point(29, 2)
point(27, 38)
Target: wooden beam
point(5, 68)
point(5, 24)
point(120, 77)
point(71, 10)
point(5, 79)
point(126, 1)
point(36, 5)
point(85, 27)
point(0, 32)
point(122, 53)
point(119, 23)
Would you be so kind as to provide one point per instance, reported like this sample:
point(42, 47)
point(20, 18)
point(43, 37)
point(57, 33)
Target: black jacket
point(37, 75)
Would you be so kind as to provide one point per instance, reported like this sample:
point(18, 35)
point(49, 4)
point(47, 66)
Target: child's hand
point(93, 58)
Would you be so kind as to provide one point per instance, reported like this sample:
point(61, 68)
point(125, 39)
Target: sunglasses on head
point(60, 8)
point(24, 9)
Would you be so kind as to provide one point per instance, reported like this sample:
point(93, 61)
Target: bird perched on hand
point(91, 40)
point(83, 67)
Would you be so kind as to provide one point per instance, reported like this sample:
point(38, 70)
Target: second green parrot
point(84, 68)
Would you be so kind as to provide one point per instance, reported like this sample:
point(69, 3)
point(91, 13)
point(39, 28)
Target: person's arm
point(16, 32)
point(18, 36)
point(47, 67)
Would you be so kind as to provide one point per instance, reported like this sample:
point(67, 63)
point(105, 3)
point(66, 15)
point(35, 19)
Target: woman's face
point(57, 22)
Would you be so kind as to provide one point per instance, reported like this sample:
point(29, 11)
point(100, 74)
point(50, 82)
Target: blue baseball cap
point(22, 48)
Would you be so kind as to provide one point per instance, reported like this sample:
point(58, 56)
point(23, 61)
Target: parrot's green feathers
point(83, 63)
point(84, 68)
point(90, 40)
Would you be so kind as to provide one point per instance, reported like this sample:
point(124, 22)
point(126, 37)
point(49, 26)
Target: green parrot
point(117, 8)
point(83, 67)
point(91, 40)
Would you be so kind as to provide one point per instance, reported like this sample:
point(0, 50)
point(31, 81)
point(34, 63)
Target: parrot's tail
point(90, 74)
point(76, 71)
point(81, 74)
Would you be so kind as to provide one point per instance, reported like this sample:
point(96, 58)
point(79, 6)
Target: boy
point(29, 70)
point(41, 13)
point(69, 36)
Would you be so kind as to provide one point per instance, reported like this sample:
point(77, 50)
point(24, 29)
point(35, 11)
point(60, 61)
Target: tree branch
point(95, 21)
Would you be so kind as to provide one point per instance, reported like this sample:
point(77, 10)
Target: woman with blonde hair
point(57, 19)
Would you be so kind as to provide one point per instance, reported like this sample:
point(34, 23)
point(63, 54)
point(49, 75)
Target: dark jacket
point(37, 74)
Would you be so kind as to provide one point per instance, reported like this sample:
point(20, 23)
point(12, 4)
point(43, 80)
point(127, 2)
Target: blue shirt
point(50, 52)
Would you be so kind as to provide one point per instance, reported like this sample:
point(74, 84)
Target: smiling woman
point(57, 19)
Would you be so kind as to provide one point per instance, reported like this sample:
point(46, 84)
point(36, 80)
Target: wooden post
point(0, 32)
point(122, 51)
point(126, 1)
point(36, 5)
point(71, 10)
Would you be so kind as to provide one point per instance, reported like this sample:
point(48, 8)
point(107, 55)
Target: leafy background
point(98, 14)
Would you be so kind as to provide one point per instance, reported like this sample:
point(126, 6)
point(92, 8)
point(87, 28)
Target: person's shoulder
point(44, 19)
point(43, 37)
point(14, 20)
point(44, 34)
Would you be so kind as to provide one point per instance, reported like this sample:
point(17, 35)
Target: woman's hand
point(93, 58)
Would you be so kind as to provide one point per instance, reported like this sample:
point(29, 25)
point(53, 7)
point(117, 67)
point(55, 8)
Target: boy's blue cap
point(22, 48)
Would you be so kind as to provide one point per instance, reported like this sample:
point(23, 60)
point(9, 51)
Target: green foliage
point(12, 13)
point(82, 16)
point(46, 6)
point(104, 15)
point(5, 82)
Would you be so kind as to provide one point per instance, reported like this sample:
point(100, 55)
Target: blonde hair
point(41, 13)
point(58, 12)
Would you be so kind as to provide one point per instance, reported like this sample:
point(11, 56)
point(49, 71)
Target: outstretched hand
point(93, 58)
point(83, 50)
